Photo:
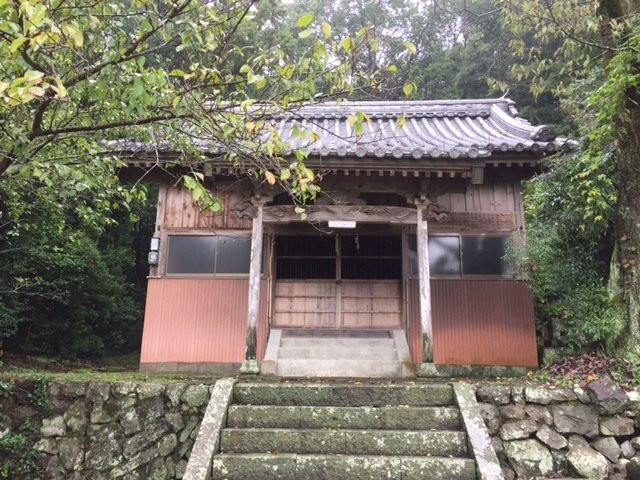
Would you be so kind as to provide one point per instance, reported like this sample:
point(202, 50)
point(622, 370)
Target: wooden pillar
point(250, 364)
point(422, 236)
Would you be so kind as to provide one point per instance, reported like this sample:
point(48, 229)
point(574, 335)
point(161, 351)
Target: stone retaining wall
point(102, 431)
point(540, 431)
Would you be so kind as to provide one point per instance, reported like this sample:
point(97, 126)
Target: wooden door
point(370, 304)
point(339, 299)
point(305, 304)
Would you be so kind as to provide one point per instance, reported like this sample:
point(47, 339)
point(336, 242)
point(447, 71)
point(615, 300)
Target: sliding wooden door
point(342, 281)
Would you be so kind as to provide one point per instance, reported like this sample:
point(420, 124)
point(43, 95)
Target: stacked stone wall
point(102, 430)
point(542, 431)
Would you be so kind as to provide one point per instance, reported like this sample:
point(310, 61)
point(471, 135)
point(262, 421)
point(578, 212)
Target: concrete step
point(338, 368)
point(327, 342)
point(378, 418)
point(338, 352)
point(343, 395)
point(345, 442)
point(339, 467)
point(336, 333)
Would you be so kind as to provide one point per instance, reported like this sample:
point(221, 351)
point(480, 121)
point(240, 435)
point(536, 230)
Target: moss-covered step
point(379, 418)
point(343, 395)
point(346, 442)
point(339, 467)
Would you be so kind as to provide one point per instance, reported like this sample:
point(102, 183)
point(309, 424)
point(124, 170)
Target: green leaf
point(217, 205)
point(410, 46)
point(33, 76)
point(285, 174)
point(347, 44)
point(326, 29)
point(74, 33)
point(306, 33)
point(17, 43)
point(305, 20)
point(409, 88)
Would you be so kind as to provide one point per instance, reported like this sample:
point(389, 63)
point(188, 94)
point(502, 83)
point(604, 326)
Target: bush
point(585, 318)
point(566, 260)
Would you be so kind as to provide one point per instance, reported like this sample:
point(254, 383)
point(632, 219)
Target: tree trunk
point(625, 268)
point(624, 281)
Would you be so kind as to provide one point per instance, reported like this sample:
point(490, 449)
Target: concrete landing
point(338, 353)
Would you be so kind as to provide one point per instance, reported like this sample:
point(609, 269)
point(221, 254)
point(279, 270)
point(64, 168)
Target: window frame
point(164, 251)
point(463, 276)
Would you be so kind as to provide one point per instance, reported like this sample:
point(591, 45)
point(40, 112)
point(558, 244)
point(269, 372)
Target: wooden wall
point(494, 206)
point(177, 211)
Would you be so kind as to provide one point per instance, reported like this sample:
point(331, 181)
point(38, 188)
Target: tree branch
point(106, 126)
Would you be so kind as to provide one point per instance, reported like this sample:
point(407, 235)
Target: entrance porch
point(338, 303)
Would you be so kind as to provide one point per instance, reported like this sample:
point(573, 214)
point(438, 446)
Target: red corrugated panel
point(479, 322)
point(191, 320)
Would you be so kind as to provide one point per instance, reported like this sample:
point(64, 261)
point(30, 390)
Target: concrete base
point(271, 353)
point(250, 367)
point(198, 368)
point(431, 370)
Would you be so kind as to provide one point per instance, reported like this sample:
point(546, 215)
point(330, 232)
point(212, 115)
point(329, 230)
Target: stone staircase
point(338, 353)
point(338, 431)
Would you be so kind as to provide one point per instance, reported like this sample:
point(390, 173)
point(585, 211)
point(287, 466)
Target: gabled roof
point(411, 130)
point(418, 129)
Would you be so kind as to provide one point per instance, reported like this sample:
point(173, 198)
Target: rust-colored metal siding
point(478, 322)
point(197, 320)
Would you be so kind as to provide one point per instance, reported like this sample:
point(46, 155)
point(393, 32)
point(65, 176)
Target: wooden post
point(422, 234)
point(250, 364)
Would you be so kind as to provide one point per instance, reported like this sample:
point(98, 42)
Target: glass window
point(444, 255)
point(484, 256)
point(208, 254)
point(191, 254)
point(234, 254)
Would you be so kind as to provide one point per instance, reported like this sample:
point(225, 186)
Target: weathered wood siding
point(477, 322)
point(494, 206)
point(180, 213)
point(327, 304)
point(191, 320)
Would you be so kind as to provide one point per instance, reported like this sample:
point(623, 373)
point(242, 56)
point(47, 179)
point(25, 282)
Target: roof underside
point(453, 129)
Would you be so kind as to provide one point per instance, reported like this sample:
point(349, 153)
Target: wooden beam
point(422, 235)
point(357, 213)
point(250, 364)
point(477, 174)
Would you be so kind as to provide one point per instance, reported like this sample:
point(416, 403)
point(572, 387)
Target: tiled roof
point(452, 128)
point(399, 129)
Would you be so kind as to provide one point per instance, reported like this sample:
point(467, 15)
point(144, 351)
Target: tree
point(77, 77)
point(80, 72)
point(596, 54)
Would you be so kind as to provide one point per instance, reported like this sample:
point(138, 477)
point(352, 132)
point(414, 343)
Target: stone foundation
point(103, 431)
point(541, 431)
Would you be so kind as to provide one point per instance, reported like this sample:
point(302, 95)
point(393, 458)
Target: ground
point(575, 370)
point(121, 368)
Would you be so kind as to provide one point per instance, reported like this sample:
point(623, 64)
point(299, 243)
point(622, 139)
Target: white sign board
point(342, 224)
